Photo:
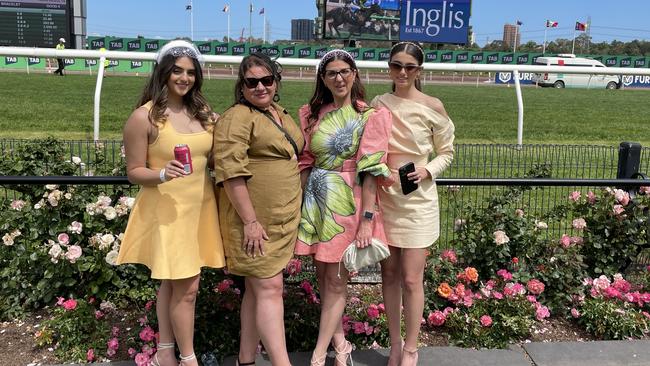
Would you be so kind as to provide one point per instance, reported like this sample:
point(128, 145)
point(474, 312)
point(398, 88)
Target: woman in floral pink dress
point(341, 166)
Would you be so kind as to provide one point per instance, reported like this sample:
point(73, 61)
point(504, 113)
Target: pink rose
point(70, 304)
point(497, 295)
point(224, 285)
point(618, 209)
point(131, 351)
point(147, 334)
point(373, 311)
point(644, 190)
point(90, 355)
point(535, 286)
point(575, 196)
point(294, 267)
point(507, 276)
point(575, 313)
point(565, 241)
point(141, 359)
point(63, 239)
point(73, 253)
point(622, 197)
point(113, 344)
point(98, 314)
point(579, 223)
point(436, 318)
point(622, 285)
point(591, 197)
point(449, 255)
point(19, 204)
point(542, 312)
point(486, 321)
point(149, 305)
point(358, 327)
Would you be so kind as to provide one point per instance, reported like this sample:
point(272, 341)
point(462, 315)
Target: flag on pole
point(226, 8)
point(188, 7)
point(251, 8)
point(261, 11)
point(581, 26)
point(551, 24)
point(519, 22)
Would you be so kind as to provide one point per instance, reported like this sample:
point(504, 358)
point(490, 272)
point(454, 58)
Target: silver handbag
point(356, 258)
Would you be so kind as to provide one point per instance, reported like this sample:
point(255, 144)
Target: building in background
point(510, 32)
point(302, 29)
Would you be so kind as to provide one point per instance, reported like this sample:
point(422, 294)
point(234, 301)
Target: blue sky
point(623, 20)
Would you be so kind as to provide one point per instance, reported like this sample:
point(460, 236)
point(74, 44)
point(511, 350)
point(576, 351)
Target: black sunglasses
point(252, 83)
point(396, 66)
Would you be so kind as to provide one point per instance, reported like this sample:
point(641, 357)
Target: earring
point(276, 98)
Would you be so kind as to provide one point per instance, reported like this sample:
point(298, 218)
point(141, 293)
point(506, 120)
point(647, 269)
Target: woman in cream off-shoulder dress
point(420, 128)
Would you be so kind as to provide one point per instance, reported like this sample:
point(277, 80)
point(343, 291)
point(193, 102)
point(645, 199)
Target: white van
point(574, 80)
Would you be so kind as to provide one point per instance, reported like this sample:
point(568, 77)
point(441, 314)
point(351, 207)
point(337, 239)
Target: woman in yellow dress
point(173, 228)
point(420, 128)
point(255, 155)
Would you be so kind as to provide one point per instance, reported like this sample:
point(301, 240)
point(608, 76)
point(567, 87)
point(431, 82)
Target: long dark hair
point(156, 91)
point(261, 60)
point(322, 95)
point(410, 49)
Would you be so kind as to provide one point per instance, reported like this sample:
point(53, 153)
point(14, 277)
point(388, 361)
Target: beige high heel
point(154, 359)
point(413, 352)
point(318, 361)
point(343, 352)
point(186, 358)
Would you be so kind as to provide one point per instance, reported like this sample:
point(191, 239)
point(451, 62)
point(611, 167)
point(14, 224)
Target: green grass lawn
point(38, 105)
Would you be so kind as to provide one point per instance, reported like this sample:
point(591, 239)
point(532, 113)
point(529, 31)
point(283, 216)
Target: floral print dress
point(342, 147)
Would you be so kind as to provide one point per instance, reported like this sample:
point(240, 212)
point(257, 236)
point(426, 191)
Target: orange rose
point(471, 273)
point(444, 290)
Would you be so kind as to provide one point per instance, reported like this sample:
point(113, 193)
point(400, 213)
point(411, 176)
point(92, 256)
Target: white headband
point(333, 54)
point(409, 44)
point(179, 48)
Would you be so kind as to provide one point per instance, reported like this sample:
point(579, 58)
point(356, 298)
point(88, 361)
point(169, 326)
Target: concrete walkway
point(601, 353)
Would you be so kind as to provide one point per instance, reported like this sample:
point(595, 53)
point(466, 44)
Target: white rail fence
point(235, 60)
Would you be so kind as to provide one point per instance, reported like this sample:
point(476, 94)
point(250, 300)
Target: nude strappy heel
point(154, 360)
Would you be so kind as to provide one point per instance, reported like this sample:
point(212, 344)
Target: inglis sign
point(445, 21)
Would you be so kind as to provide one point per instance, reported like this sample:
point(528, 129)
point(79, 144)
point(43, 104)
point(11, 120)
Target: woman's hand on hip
point(254, 237)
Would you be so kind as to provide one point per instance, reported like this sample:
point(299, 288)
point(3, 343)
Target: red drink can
point(182, 154)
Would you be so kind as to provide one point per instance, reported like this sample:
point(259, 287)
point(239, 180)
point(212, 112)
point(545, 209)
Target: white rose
point(75, 227)
point(76, 160)
point(110, 213)
point(68, 196)
point(55, 251)
point(74, 252)
point(16, 233)
point(39, 204)
point(500, 237)
point(103, 201)
point(8, 240)
point(51, 187)
point(106, 240)
point(541, 225)
point(111, 257)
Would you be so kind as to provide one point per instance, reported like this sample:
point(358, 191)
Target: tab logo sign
point(91, 62)
point(354, 52)
point(384, 55)
point(239, 49)
point(254, 49)
point(96, 44)
point(151, 46)
point(11, 60)
point(611, 61)
point(431, 56)
point(477, 58)
point(320, 52)
point(493, 58)
point(68, 61)
point(113, 63)
point(136, 64)
point(626, 62)
point(522, 59)
point(220, 49)
point(534, 59)
point(640, 62)
point(447, 57)
point(205, 48)
point(507, 59)
point(133, 45)
point(33, 60)
point(273, 51)
point(304, 52)
point(288, 51)
point(369, 54)
point(435, 21)
point(115, 44)
point(462, 57)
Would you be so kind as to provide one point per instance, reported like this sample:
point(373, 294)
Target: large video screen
point(430, 21)
point(362, 19)
point(34, 23)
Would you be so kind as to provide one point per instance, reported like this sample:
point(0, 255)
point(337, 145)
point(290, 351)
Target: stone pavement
point(601, 353)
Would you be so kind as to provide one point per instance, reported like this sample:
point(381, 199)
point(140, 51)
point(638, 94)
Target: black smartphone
point(408, 185)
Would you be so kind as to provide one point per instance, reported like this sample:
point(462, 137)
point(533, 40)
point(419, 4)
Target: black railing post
point(629, 160)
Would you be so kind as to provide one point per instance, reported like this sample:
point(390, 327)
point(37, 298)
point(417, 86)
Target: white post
point(264, 26)
point(544, 47)
point(520, 109)
point(514, 49)
point(573, 45)
point(228, 39)
point(98, 97)
point(191, 21)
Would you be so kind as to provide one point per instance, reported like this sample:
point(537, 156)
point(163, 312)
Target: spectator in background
point(61, 64)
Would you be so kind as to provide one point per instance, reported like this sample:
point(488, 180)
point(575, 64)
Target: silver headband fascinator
point(179, 48)
point(408, 44)
point(337, 53)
